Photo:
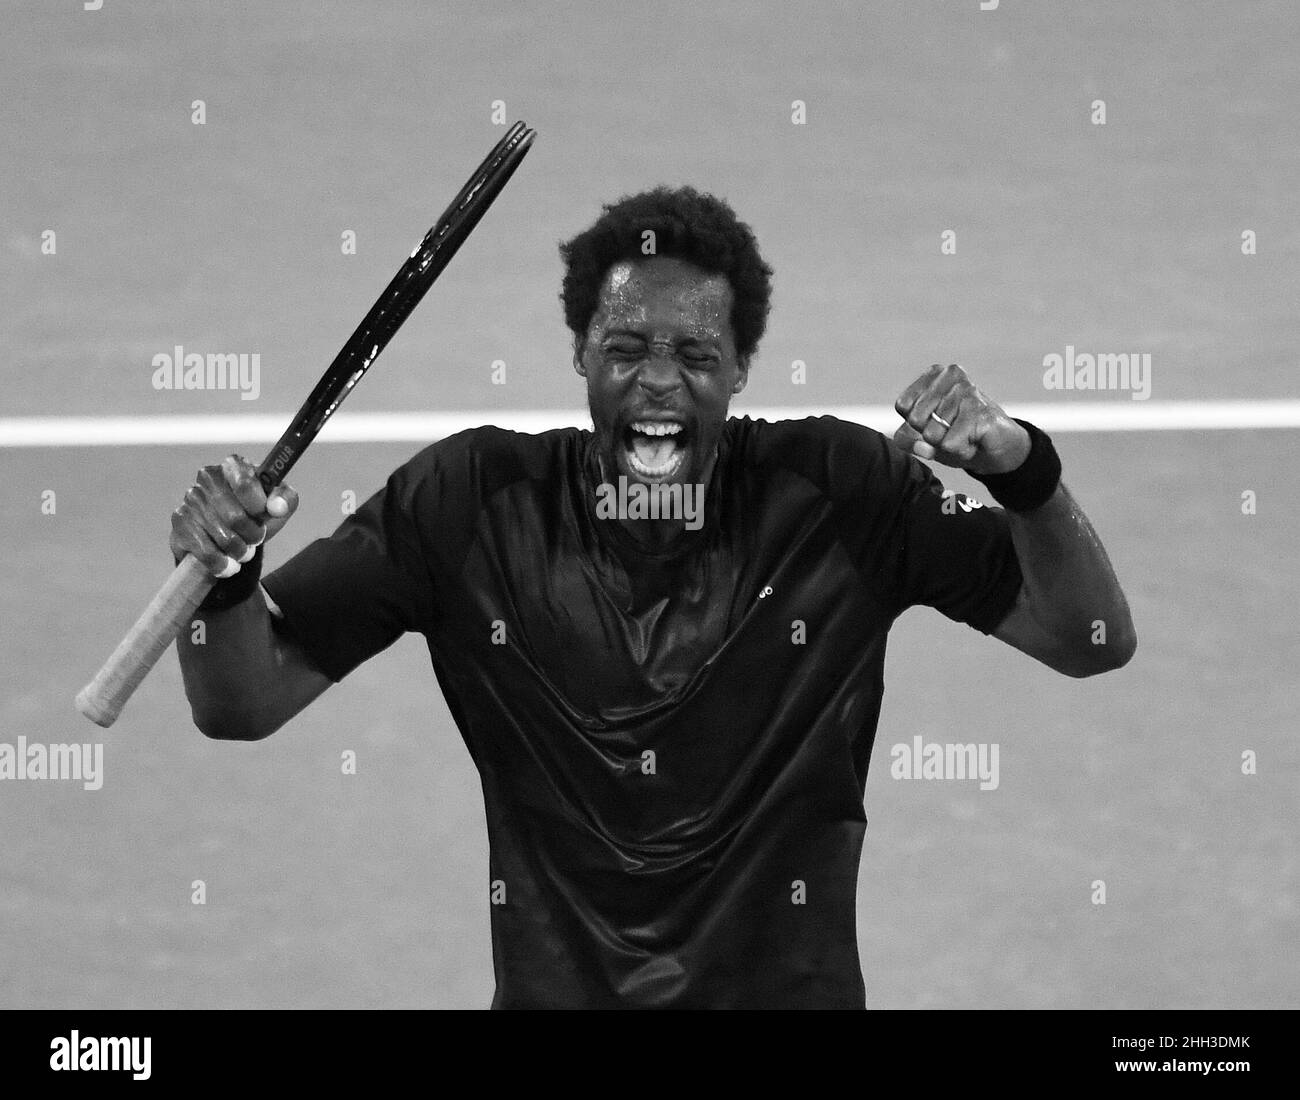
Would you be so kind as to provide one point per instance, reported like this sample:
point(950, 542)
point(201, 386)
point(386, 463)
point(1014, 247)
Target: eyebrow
point(635, 335)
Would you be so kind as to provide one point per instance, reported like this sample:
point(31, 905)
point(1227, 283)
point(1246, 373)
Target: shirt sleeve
point(349, 596)
point(950, 551)
point(913, 540)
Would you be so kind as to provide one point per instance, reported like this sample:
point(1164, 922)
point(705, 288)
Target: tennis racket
point(172, 607)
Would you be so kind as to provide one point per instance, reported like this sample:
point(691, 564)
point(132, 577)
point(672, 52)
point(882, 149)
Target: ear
point(743, 364)
point(578, 345)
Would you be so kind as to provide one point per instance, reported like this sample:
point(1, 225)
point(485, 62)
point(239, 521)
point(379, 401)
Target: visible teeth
point(654, 427)
point(667, 468)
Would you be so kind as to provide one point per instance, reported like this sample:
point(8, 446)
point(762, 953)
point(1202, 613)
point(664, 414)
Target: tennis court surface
point(325, 889)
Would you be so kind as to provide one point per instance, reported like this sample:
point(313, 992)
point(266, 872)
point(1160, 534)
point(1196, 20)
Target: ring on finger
point(940, 419)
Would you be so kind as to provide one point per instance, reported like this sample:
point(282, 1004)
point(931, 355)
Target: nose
point(659, 375)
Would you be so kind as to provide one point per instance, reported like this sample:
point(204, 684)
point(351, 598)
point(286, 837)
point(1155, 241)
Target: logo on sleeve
point(953, 500)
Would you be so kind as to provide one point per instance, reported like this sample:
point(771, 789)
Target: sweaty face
point(661, 368)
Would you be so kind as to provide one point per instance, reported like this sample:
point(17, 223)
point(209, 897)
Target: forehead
point(663, 290)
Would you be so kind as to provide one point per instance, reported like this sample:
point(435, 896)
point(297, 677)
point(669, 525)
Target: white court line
point(395, 427)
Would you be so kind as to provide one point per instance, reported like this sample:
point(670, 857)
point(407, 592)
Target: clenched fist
point(226, 515)
point(947, 418)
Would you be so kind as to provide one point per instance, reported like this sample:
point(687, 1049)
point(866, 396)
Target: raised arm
point(244, 676)
point(1071, 613)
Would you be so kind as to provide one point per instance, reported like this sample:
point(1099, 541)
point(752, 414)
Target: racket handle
point(103, 698)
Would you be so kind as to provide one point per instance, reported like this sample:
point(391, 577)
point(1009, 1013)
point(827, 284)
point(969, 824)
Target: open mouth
point(655, 449)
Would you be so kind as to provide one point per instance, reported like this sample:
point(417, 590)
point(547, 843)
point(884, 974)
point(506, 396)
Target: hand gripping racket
point(174, 604)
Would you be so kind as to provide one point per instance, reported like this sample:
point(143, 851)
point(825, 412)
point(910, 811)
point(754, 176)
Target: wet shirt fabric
point(673, 746)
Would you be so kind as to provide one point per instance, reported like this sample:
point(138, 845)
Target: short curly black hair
point(688, 225)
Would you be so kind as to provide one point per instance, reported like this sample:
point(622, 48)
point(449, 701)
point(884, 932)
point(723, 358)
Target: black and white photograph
point(610, 505)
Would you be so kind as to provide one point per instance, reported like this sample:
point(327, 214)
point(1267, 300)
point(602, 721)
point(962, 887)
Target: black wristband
point(1031, 484)
point(235, 589)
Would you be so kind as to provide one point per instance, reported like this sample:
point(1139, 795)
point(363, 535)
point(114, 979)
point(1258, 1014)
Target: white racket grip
point(168, 612)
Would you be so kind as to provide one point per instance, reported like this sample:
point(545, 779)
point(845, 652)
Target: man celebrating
point(672, 720)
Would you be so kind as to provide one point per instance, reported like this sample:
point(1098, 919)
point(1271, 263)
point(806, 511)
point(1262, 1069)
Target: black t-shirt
point(673, 747)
